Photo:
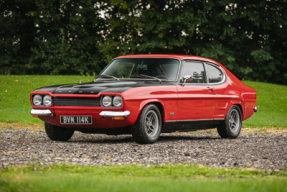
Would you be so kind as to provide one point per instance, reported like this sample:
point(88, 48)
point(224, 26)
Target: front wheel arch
point(159, 104)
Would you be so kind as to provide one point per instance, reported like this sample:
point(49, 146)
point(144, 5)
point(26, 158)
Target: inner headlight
point(117, 101)
point(107, 101)
point(47, 100)
point(37, 100)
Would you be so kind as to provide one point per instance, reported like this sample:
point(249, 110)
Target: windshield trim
point(177, 76)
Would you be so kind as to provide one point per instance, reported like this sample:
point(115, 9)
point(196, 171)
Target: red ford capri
point(146, 95)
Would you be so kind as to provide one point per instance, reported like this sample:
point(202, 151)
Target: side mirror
point(185, 78)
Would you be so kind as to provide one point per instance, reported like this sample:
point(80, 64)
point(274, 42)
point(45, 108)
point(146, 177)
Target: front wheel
point(57, 133)
point(147, 128)
point(232, 124)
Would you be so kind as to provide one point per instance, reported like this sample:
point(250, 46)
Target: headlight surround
point(107, 101)
point(47, 100)
point(117, 101)
point(37, 100)
point(112, 101)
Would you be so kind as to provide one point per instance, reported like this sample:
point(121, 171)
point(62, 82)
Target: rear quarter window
point(214, 74)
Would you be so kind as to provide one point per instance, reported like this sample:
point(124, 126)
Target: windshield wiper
point(142, 75)
point(108, 76)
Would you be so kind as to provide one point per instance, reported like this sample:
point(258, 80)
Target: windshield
point(161, 68)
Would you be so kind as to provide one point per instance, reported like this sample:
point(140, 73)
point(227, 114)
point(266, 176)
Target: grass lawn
point(15, 107)
point(15, 94)
point(15, 104)
point(180, 177)
point(271, 103)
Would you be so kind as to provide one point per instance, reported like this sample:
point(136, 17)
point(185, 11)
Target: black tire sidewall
point(140, 130)
point(57, 133)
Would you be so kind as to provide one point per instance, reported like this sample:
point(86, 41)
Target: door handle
point(210, 88)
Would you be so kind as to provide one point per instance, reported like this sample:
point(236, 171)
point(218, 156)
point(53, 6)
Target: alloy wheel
point(151, 123)
point(234, 120)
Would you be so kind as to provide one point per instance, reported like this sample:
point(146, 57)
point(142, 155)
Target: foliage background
point(82, 36)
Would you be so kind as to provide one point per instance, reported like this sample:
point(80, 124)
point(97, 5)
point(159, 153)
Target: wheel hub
point(234, 121)
point(151, 122)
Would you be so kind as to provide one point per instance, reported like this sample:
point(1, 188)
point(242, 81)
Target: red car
point(145, 95)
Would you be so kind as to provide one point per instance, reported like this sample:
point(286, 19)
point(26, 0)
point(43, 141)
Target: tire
point(148, 126)
point(232, 124)
point(56, 133)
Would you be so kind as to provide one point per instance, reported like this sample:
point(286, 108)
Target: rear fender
point(239, 103)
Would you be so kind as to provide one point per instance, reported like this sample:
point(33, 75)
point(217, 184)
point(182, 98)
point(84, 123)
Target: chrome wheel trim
point(151, 123)
point(234, 121)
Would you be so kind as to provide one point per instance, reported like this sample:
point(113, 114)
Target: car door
point(196, 99)
point(224, 91)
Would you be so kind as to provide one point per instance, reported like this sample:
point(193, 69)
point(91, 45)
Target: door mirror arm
point(184, 78)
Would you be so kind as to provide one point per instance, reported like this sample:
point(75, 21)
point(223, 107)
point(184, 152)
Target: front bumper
point(100, 118)
point(115, 113)
point(47, 112)
point(41, 112)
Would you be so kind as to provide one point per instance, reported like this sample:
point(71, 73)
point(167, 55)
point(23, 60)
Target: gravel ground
point(252, 150)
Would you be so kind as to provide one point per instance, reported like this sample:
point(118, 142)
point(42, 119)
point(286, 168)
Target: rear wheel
point(147, 128)
point(232, 124)
point(56, 133)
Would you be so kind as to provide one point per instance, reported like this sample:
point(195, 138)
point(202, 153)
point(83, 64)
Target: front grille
point(76, 101)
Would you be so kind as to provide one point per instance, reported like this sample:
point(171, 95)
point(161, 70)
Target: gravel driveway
point(252, 150)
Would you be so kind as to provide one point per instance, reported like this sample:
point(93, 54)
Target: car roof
point(174, 56)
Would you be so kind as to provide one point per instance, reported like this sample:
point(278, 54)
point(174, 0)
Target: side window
point(214, 75)
point(195, 70)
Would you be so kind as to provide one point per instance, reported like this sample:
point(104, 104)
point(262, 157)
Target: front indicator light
point(47, 100)
point(37, 100)
point(34, 115)
point(118, 118)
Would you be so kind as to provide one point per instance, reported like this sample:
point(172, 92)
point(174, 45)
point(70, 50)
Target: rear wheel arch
point(241, 111)
point(237, 104)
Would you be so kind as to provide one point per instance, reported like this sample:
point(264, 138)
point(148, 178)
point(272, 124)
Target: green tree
point(71, 33)
point(17, 32)
point(248, 37)
point(79, 37)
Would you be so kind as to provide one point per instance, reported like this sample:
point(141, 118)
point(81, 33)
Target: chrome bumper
point(114, 113)
point(255, 109)
point(41, 112)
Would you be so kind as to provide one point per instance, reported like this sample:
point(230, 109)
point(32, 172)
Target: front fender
point(145, 102)
point(136, 106)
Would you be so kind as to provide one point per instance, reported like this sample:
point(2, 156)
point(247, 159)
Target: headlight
point(47, 100)
point(107, 101)
point(117, 101)
point(37, 100)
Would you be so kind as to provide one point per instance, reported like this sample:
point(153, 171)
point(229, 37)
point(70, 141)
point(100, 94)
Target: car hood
point(97, 87)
